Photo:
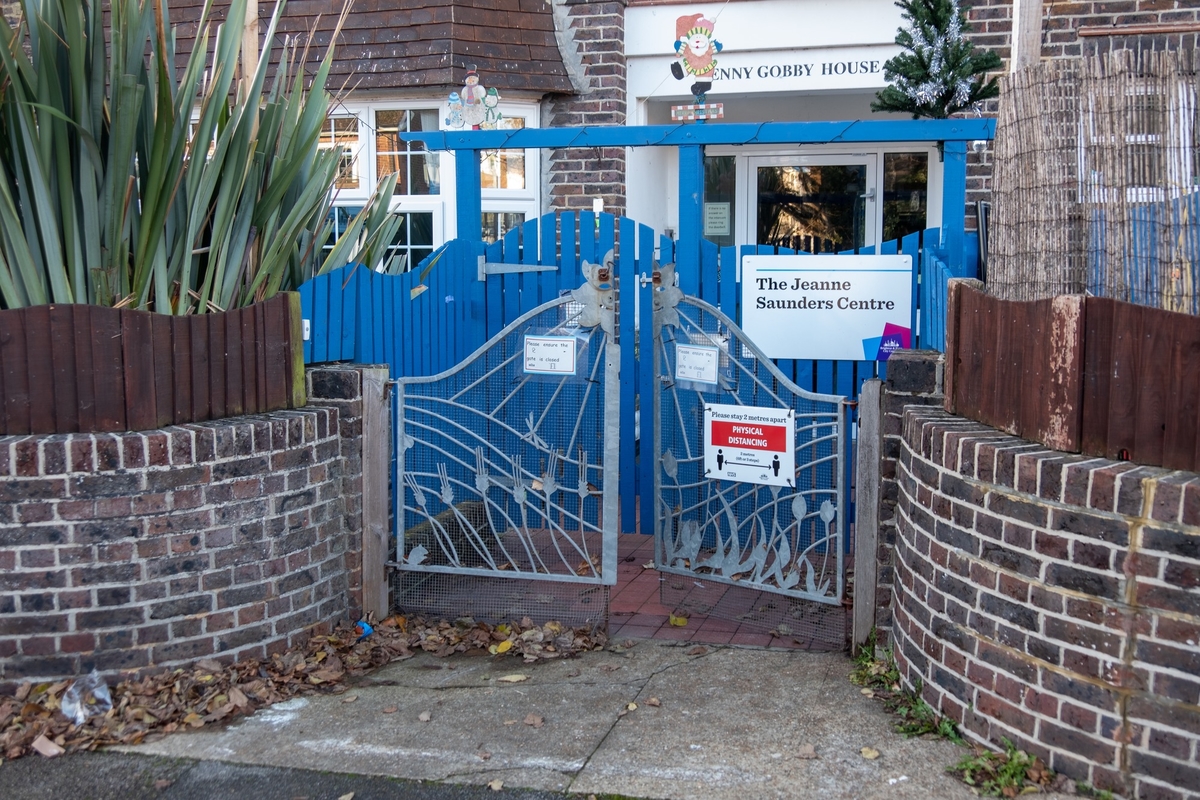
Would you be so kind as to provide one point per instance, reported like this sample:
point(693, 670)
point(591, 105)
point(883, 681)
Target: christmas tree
point(940, 72)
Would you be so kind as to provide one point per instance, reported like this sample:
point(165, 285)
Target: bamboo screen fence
point(1097, 181)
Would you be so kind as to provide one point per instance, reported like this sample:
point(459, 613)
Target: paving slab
point(729, 723)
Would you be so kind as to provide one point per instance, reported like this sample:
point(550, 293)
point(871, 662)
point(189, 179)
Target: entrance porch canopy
point(691, 139)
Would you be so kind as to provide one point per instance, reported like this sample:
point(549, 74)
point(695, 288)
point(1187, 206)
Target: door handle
point(869, 194)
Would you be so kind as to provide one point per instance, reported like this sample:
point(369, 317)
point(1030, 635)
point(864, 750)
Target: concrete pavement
point(729, 723)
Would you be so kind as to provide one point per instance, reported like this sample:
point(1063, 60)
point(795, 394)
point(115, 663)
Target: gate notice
point(750, 444)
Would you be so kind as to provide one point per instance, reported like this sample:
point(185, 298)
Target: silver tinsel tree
point(940, 72)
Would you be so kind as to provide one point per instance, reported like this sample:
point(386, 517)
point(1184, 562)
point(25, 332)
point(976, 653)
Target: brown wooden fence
point(79, 368)
point(1086, 375)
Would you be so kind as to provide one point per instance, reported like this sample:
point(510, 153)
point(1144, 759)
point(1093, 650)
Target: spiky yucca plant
point(124, 184)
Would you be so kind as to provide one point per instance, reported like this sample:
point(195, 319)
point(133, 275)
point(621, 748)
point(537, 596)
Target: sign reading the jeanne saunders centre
point(750, 444)
point(853, 308)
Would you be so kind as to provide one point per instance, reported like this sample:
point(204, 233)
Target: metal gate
point(786, 544)
point(505, 488)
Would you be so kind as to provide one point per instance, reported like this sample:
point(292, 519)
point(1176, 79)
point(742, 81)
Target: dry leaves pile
point(212, 692)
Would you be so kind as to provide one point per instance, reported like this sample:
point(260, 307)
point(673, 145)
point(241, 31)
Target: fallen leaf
point(347, 796)
point(869, 753)
point(496, 785)
point(424, 716)
point(516, 677)
point(162, 783)
point(573, 673)
point(654, 701)
point(210, 664)
point(867, 692)
point(648, 565)
point(678, 622)
point(610, 667)
point(698, 650)
point(510, 722)
point(194, 719)
point(350, 699)
point(46, 747)
point(23, 691)
point(631, 706)
point(391, 710)
point(533, 720)
point(806, 751)
point(485, 755)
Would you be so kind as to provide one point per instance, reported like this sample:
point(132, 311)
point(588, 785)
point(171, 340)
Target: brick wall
point(1052, 600)
point(1062, 21)
point(579, 175)
point(139, 550)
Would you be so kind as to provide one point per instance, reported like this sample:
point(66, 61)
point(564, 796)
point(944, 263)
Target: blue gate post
point(691, 207)
point(954, 203)
point(468, 200)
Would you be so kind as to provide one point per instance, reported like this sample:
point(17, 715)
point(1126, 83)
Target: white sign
point(853, 308)
point(716, 219)
point(550, 355)
point(750, 444)
point(697, 364)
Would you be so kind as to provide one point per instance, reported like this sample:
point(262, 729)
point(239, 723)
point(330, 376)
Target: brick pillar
point(595, 52)
point(340, 386)
point(914, 377)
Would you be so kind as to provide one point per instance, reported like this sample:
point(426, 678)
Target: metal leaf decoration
point(799, 507)
point(670, 464)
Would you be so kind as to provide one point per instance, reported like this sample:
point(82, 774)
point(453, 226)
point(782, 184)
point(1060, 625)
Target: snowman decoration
point(697, 50)
point(473, 106)
point(472, 94)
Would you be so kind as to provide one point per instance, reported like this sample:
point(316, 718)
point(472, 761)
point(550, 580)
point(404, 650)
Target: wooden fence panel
point(1092, 375)
point(1017, 366)
point(64, 358)
point(1141, 385)
point(39, 366)
point(78, 368)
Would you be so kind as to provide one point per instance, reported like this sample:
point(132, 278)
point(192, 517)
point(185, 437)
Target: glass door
point(817, 204)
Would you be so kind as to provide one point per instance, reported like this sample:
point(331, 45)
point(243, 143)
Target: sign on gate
point(750, 444)
point(851, 308)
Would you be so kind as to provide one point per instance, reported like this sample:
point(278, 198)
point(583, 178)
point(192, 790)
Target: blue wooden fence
point(427, 320)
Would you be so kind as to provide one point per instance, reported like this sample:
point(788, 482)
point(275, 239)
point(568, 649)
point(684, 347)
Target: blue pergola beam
point(854, 131)
point(691, 138)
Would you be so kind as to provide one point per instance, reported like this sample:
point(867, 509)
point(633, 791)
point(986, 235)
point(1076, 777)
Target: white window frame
point(526, 201)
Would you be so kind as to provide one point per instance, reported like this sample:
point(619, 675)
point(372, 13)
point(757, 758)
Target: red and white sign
point(750, 444)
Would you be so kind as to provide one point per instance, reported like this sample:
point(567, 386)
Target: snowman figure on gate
point(472, 95)
point(697, 52)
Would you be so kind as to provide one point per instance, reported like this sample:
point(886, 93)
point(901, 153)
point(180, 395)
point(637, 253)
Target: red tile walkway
point(636, 610)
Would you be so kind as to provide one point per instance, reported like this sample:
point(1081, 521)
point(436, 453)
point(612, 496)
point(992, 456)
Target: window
point(340, 216)
point(503, 169)
point(413, 242)
point(497, 223)
point(905, 193)
point(341, 134)
point(419, 169)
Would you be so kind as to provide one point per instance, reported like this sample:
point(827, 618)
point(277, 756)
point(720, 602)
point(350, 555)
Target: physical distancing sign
point(750, 444)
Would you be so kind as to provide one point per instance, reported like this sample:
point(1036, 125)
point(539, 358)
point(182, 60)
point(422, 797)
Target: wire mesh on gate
point(759, 554)
point(1097, 181)
point(501, 475)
